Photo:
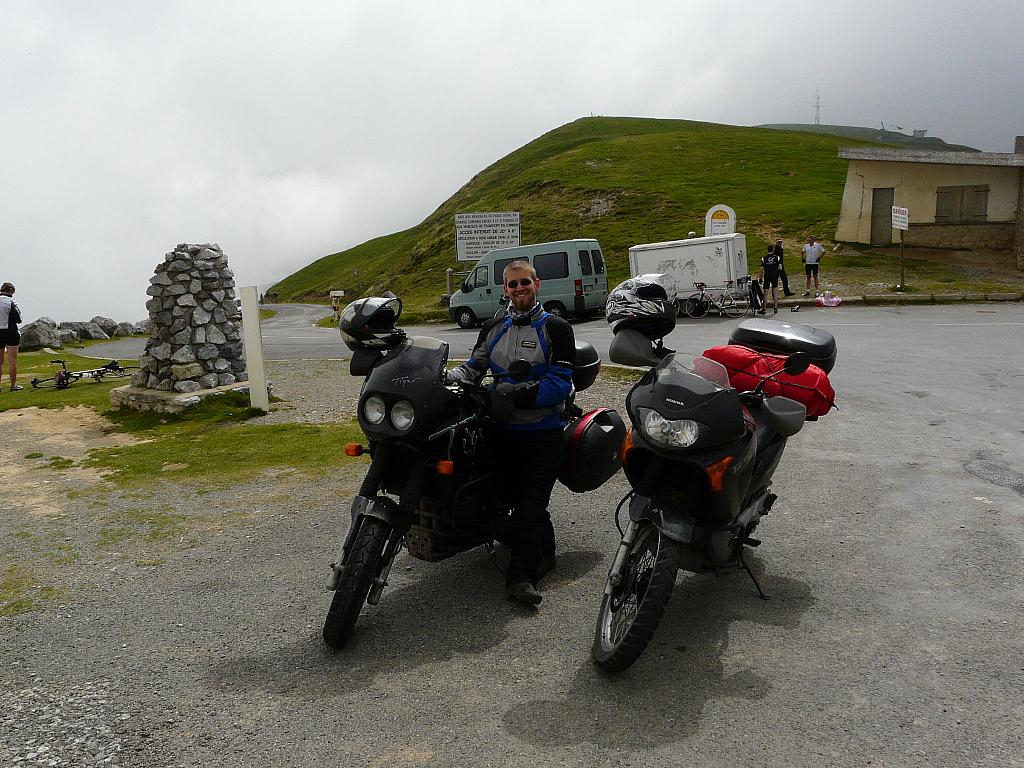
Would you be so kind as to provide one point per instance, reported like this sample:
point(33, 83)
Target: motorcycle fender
point(673, 524)
point(380, 507)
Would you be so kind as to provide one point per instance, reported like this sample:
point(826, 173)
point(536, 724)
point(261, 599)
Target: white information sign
point(720, 220)
point(900, 218)
point(478, 233)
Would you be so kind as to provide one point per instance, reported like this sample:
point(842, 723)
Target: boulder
point(36, 336)
point(108, 325)
point(123, 329)
point(66, 335)
point(86, 330)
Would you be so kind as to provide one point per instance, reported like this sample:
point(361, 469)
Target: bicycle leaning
point(734, 302)
point(63, 378)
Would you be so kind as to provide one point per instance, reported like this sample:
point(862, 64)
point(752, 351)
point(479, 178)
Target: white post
point(253, 340)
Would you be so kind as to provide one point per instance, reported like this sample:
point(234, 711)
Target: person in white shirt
point(10, 316)
point(811, 258)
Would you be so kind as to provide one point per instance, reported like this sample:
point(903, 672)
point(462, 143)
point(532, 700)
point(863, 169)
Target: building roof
point(885, 154)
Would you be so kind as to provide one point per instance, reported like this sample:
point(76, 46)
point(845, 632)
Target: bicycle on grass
point(63, 378)
point(734, 302)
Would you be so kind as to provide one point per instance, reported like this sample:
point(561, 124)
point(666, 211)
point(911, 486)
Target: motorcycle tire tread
point(356, 578)
point(651, 609)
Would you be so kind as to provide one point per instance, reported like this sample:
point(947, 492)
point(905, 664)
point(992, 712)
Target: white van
point(572, 275)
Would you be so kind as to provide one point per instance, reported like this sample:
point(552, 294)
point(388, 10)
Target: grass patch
point(139, 524)
point(210, 446)
point(620, 375)
point(326, 322)
point(266, 314)
point(21, 592)
point(59, 462)
point(34, 455)
point(36, 365)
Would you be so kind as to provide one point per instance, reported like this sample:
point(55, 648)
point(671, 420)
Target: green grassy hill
point(623, 181)
point(896, 138)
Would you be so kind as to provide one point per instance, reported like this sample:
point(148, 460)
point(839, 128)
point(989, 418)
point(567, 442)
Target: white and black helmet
point(370, 323)
point(641, 304)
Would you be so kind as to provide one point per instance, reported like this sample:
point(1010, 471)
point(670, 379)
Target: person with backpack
point(770, 269)
point(10, 316)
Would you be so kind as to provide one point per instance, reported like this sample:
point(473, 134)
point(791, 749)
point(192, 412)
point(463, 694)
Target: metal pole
point(253, 340)
point(902, 286)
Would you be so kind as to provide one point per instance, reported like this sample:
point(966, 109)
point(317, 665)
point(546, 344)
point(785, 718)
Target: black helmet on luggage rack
point(641, 304)
point(370, 323)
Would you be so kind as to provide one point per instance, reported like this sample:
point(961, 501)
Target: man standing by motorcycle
point(528, 446)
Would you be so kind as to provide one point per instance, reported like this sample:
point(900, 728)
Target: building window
point(956, 205)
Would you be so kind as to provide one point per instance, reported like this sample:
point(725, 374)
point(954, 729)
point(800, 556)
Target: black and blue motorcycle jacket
point(544, 341)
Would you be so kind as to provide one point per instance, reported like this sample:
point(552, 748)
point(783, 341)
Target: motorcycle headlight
point(670, 433)
point(403, 415)
point(373, 409)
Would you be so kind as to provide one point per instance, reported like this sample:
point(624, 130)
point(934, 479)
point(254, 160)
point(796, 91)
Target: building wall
point(914, 186)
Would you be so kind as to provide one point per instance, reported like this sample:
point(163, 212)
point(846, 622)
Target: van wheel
point(555, 308)
point(465, 318)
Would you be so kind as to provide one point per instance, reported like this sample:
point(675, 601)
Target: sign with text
point(478, 233)
point(720, 220)
point(900, 218)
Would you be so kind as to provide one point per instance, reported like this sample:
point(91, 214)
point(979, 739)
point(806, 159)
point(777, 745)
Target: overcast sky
point(287, 131)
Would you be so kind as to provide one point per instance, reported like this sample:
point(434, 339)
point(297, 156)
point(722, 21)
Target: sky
point(288, 131)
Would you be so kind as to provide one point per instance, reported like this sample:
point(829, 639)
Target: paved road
point(292, 334)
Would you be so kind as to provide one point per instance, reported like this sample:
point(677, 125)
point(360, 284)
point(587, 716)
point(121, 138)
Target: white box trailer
point(719, 261)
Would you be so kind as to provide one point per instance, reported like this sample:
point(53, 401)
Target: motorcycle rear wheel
point(629, 616)
point(354, 583)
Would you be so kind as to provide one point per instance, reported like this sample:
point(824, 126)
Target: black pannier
point(783, 338)
point(591, 450)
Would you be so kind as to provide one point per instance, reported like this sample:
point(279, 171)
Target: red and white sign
point(900, 218)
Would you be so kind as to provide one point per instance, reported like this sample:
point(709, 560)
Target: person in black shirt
point(770, 270)
point(782, 269)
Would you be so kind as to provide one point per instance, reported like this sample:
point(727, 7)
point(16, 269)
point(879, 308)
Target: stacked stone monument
point(194, 340)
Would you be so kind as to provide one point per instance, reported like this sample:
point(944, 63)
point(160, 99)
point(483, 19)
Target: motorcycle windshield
point(698, 374)
point(411, 368)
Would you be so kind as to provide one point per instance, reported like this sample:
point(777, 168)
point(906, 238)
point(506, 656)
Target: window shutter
point(947, 204)
point(975, 203)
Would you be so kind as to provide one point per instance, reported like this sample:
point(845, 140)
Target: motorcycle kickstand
point(753, 578)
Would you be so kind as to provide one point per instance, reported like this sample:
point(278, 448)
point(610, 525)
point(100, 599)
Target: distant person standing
point(10, 316)
point(811, 259)
point(782, 269)
point(770, 271)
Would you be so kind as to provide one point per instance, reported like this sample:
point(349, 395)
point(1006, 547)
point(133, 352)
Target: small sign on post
point(901, 221)
point(478, 233)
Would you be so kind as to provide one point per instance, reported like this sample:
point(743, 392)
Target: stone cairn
point(194, 341)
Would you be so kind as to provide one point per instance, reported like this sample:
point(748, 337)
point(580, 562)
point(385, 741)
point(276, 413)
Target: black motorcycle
point(429, 486)
point(699, 456)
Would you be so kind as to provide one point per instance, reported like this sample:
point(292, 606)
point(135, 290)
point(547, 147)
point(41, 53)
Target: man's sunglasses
point(525, 282)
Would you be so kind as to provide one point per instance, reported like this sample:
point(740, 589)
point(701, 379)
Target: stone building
point(970, 200)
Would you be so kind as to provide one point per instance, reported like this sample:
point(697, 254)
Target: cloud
point(286, 132)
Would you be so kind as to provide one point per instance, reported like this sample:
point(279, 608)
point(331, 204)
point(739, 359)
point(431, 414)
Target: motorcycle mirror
point(631, 347)
point(797, 363)
point(520, 370)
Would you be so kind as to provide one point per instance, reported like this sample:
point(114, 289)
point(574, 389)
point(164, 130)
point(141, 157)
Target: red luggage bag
point(747, 368)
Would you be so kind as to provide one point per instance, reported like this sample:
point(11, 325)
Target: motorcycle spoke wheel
point(357, 575)
point(629, 616)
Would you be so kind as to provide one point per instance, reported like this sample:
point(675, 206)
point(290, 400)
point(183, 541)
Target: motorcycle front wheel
point(630, 614)
point(354, 582)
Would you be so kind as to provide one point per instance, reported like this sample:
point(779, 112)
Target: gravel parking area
point(893, 637)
